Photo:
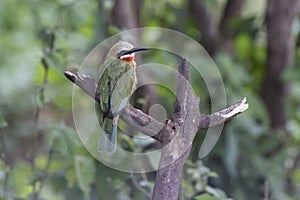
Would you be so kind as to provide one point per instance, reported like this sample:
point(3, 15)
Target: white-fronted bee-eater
point(116, 85)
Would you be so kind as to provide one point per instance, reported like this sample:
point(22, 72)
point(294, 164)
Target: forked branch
point(182, 127)
point(147, 124)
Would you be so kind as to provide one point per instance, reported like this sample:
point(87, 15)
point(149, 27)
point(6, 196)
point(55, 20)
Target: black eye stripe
point(121, 53)
point(126, 52)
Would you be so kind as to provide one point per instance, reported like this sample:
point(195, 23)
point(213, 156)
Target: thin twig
point(45, 171)
point(36, 121)
point(38, 109)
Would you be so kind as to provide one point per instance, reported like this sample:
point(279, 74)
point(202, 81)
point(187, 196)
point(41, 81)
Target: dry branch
point(139, 119)
point(182, 127)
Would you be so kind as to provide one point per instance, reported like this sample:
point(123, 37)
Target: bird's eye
point(128, 52)
point(121, 53)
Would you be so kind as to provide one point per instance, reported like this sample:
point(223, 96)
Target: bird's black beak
point(133, 50)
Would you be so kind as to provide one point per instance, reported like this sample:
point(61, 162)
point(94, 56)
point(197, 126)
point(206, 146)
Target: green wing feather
point(116, 86)
point(123, 91)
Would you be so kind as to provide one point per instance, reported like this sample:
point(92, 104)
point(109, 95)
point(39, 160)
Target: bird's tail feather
point(108, 136)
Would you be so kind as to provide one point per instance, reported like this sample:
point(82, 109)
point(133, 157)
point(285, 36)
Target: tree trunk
point(280, 55)
point(204, 20)
point(231, 11)
point(123, 15)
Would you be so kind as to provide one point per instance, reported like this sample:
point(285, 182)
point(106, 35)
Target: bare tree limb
point(141, 120)
point(135, 117)
point(220, 117)
point(182, 127)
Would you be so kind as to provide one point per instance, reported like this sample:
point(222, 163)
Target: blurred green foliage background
point(41, 154)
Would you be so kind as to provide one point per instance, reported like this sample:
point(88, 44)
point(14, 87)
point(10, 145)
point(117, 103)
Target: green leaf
point(19, 178)
point(296, 176)
point(71, 177)
point(220, 194)
point(243, 46)
point(206, 197)
point(85, 173)
point(291, 73)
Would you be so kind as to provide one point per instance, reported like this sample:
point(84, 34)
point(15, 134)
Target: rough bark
point(145, 123)
point(280, 55)
point(182, 127)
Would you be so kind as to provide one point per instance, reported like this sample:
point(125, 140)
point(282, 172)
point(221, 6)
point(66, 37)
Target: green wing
point(116, 86)
point(122, 92)
point(105, 88)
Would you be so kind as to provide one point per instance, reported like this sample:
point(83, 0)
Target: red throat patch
point(128, 59)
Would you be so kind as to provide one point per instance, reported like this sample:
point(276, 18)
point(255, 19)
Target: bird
point(116, 85)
